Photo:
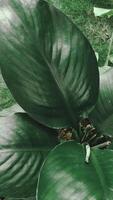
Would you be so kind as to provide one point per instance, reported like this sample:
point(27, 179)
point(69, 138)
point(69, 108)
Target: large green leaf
point(65, 175)
point(102, 115)
point(24, 144)
point(50, 67)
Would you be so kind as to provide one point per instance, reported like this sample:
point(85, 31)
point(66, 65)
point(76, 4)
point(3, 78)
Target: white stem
point(88, 152)
point(102, 145)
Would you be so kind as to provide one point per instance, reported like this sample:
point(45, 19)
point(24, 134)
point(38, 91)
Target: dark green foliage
point(97, 30)
point(65, 175)
point(24, 144)
point(52, 71)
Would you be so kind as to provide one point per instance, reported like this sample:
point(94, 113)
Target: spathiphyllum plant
point(60, 147)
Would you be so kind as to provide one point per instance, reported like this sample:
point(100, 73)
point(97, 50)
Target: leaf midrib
point(57, 80)
point(60, 86)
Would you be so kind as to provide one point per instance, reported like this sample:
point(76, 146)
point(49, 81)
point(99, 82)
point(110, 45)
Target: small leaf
point(65, 175)
point(97, 55)
point(101, 11)
point(50, 68)
point(24, 144)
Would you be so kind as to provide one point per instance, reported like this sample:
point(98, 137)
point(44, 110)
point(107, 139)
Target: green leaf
point(102, 11)
point(65, 175)
point(102, 115)
point(24, 144)
point(97, 55)
point(50, 67)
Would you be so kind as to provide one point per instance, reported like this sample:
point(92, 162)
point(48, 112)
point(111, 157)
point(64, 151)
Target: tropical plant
point(52, 149)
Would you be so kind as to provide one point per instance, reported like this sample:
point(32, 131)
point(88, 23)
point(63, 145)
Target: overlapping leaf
point(102, 115)
point(50, 66)
point(24, 145)
point(65, 175)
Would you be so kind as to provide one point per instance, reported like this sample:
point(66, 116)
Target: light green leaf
point(97, 55)
point(101, 11)
point(50, 67)
point(65, 175)
point(24, 144)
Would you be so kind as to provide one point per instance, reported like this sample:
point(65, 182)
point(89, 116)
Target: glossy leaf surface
point(24, 144)
point(102, 115)
point(50, 67)
point(65, 175)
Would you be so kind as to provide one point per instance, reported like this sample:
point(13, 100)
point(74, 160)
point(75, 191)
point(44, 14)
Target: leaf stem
point(102, 145)
point(88, 152)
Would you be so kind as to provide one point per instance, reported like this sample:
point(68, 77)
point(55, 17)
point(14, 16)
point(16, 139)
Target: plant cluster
point(60, 145)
